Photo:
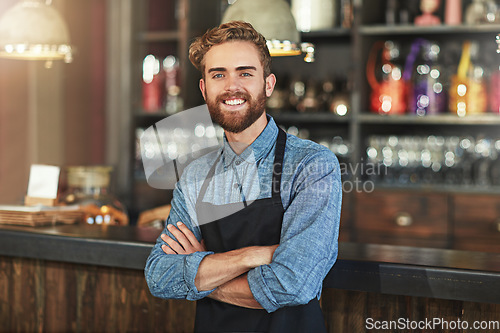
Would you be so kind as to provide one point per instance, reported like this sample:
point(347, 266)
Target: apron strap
point(210, 175)
point(277, 170)
point(278, 166)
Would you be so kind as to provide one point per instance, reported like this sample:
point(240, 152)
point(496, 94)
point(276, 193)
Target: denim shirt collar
point(257, 149)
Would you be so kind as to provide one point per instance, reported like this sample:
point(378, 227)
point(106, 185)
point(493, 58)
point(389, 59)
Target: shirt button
point(238, 162)
point(236, 185)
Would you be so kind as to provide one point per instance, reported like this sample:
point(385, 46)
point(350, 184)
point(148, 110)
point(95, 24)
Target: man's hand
point(224, 271)
point(186, 241)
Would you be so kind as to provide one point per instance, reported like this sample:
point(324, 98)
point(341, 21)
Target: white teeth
point(234, 101)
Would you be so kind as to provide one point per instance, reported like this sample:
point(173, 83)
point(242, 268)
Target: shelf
point(318, 117)
point(445, 119)
point(153, 115)
point(280, 116)
point(440, 188)
point(330, 33)
point(159, 36)
point(437, 29)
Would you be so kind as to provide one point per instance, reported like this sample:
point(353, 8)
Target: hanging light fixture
point(34, 30)
point(498, 43)
point(274, 20)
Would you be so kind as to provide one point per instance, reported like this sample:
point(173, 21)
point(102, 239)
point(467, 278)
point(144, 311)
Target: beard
point(237, 121)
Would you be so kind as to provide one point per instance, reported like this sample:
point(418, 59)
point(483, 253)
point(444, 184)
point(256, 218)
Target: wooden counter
point(88, 278)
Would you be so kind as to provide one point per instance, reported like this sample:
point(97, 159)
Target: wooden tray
point(39, 215)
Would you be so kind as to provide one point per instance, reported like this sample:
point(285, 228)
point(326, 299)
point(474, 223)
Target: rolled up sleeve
point(173, 275)
point(309, 237)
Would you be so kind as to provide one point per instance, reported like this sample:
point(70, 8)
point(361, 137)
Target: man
point(253, 227)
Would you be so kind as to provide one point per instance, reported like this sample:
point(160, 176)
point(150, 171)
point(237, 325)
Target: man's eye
point(217, 76)
point(246, 74)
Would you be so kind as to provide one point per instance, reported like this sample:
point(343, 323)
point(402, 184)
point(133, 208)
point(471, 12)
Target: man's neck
point(240, 141)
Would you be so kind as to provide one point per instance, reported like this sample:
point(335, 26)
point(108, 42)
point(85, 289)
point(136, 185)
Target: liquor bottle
point(391, 10)
point(468, 92)
point(482, 162)
point(310, 101)
point(495, 165)
point(388, 95)
point(297, 92)
point(173, 99)
point(453, 12)
point(426, 93)
point(340, 103)
point(346, 13)
point(152, 84)
point(475, 13)
point(326, 94)
point(494, 92)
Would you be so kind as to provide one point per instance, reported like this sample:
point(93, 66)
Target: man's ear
point(270, 83)
point(202, 88)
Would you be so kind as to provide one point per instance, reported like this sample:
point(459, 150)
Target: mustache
point(241, 95)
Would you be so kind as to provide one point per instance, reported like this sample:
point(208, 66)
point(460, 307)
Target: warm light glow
point(461, 90)
point(34, 30)
point(341, 110)
point(274, 20)
point(461, 109)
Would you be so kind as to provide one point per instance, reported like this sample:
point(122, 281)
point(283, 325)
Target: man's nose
point(232, 82)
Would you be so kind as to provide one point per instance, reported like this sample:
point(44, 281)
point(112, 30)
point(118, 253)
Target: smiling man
point(253, 227)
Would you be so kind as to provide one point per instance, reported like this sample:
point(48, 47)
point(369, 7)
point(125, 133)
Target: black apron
point(259, 223)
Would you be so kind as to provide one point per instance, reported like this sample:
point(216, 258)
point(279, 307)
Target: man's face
point(234, 86)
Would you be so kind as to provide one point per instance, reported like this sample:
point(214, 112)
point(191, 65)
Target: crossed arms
point(248, 277)
point(226, 272)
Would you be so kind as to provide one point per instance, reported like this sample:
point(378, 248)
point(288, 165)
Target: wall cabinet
point(402, 218)
point(476, 222)
point(435, 177)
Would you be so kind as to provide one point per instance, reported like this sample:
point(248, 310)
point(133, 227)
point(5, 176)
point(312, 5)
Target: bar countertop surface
point(388, 269)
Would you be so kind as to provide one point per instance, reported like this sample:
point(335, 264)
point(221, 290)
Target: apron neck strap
point(278, 165)
point(277, 170)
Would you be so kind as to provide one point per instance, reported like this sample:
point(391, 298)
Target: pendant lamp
point(275, 21)
point(34, 30)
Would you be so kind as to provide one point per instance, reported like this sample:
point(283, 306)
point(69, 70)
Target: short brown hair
point(226, 32)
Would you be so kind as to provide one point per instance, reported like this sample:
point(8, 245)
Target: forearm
point(236, 292)
point(219, 268)
point(172, 276)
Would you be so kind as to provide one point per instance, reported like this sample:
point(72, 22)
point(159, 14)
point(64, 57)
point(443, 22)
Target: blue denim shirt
point(311, 194)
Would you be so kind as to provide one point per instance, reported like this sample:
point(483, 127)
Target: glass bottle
point(388, 94)
point(426, 93)
point(173, 99)
point(495, 166)
point(468, 92)
point(310, 101)
point(340, 103)
point(297, 92)
point(88, 187)
point(494, 92)
point(152, 84)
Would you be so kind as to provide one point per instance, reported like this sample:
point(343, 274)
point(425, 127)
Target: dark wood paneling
point(346, 222)
point(402, 218)
point(44, 296)
point(350, 311)
point(477, 222)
